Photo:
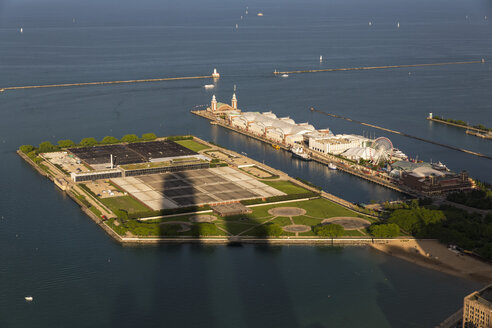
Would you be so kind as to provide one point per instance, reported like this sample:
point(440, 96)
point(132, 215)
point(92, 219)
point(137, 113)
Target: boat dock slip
point(105, 82)
point(403, 134)
point(377, 67)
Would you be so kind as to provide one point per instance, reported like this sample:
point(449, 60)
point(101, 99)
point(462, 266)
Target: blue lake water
point(80, 278)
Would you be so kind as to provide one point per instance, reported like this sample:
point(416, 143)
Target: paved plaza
point(195, 187)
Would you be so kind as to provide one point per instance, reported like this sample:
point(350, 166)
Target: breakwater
point(403, 134)
point(484, 134)
point(79, 84)
point(378, 67)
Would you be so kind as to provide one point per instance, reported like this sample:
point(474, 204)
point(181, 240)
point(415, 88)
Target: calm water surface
point(80, 278)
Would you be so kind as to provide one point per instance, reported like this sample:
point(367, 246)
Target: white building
point(267, 124)
point(335, 144)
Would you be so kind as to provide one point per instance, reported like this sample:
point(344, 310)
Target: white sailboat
point(320, 59)
point(370, 23)
point(398, 25)
point(21, 30)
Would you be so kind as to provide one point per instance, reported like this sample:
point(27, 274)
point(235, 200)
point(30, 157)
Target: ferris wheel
point(383, 148)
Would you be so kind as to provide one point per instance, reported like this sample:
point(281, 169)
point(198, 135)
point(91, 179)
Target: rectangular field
point(195, 187)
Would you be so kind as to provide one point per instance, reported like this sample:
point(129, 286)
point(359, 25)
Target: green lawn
point(316, 211)
point(287, 187)
point(192, 144)
point(126, 203)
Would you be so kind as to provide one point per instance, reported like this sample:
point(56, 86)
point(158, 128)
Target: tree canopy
point(88, 142)
point(66, 143)
point(149, 136)
point(129, 138)
point(26, 148)
point(46, 146)
point(109, 140)
point(329, 230)
point(389, 230)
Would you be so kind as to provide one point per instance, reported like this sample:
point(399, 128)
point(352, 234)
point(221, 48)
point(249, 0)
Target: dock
point(342, 165)
point(366, 68)
point(403, 134)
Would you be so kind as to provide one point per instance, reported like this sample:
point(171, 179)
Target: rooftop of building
point(269, 119)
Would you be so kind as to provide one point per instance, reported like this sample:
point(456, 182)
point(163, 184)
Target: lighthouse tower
point(215, 74)
point(213, 105)
point(234, 101)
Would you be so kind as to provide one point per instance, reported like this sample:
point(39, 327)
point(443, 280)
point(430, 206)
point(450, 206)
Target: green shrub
point(66, 143)
point(149, 136)
point(26, 148)
point(176, 138)
point(107, 140)
point(389, 230)
point(88, 142)
point(46, 147)
point(329, 230)
point(129, 138)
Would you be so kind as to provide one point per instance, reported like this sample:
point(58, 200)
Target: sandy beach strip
point(434, 255)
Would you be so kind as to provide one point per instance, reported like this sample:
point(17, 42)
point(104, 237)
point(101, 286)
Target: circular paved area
point(185, 226)
point(296, 228)
point(348, 223)
point(202, 218)
point(286, 211)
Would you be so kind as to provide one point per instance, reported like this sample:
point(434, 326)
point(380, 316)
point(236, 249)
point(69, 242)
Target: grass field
point(192, 144)
point(251, 224)
point(286, 186)
point(126, 203)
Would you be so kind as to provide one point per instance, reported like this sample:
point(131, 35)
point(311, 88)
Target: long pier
point(79, 84)
point(379, 67)
point(404, 134)
point(317, 157)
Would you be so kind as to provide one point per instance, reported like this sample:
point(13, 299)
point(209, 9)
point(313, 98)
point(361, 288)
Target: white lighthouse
point(213, 105)
point(234, 101)
point(215, 74)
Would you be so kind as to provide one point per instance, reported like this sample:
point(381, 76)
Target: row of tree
point(460, 122)
point(47, 146)
point(470, 231)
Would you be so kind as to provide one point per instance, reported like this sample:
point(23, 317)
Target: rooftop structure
point(477, 309)
point(424, 178)
point(267, 124)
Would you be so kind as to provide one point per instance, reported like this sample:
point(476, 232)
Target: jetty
point(366, 68)
point(471, 130)
point(403, 134)
point(214, 75)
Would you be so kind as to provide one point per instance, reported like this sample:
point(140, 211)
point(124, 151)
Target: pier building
point(266, 124)
point(336, 144)
point(424, 178)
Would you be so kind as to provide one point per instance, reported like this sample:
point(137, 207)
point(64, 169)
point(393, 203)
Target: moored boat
point(299, 152)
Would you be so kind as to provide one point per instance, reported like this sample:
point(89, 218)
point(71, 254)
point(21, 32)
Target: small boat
point(28, 298)
point(209, 86)
point(21, 30)
point(259, 14)
point(236, 26)
point(439, 166)
point(298, 152)
point(320, 59)
point(332, 166)
point(370, 23)
point(284, 75)
point(276, 146)
point(398, 25)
